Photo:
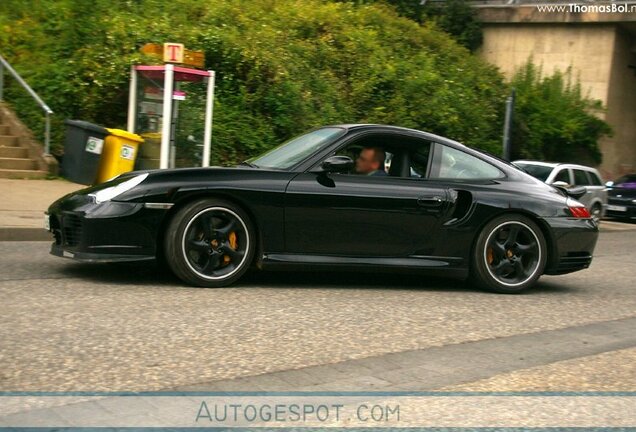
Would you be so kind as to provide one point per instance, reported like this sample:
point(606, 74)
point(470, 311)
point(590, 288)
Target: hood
point(155, 179)
point(621, 192)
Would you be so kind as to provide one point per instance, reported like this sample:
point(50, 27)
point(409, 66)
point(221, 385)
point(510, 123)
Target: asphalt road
point(68, 326)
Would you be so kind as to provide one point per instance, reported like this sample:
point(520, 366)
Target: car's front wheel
point(209, 243)
point(509, 255)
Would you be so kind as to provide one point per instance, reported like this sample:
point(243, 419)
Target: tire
point(505, 262)
point(210, 243)
point(597, 212)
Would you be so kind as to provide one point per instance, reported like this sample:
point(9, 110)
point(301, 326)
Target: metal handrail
point(47, 111)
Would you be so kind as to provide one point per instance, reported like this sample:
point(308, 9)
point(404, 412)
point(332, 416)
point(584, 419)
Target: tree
point(553, 119)
point(457, 18)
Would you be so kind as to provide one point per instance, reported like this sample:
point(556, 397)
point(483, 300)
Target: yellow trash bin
point(119, 154)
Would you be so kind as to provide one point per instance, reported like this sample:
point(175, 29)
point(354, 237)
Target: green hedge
point(554, 120)
point(283, 66)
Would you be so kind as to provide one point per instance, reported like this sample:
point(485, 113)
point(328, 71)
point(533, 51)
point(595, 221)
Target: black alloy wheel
point(210, 243)
point(510, 254)
point(597, 212)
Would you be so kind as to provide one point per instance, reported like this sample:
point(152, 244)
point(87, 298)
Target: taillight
point(580, 212)
point(577, 209)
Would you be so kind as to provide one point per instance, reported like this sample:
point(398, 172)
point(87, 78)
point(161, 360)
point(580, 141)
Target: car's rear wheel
point(509, 255)
point(597, 212)
point(210, 243)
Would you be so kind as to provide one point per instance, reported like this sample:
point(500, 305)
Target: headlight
point(111, 192)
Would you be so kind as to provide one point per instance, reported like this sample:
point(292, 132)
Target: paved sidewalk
point(596, 357)
point(609, 371)
point(22, 206)
point(450, 365)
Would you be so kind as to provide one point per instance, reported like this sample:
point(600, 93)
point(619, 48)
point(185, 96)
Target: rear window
point(450, 163)
point(580, 178)
point(596, 180)
point(541, 172)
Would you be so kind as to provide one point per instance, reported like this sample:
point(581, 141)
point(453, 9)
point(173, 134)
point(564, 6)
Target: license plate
point(47, 222)
point(616, 208)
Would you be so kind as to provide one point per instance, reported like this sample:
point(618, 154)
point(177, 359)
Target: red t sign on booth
point(173, 52)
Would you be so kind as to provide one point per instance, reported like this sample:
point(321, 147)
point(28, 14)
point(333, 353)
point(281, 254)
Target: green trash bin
point(82, 151)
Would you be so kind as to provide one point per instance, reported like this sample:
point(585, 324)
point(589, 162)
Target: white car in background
point(571, 175)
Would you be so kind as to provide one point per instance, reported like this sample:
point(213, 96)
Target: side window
point(596, 180)
point(580, 178)
point(419, 159)
point(563, 176)
point(355, 149)
point(387, 160)
point(351, 150)
point(450, 163)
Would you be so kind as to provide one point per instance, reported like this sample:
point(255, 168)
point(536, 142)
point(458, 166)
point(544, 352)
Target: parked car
point(571, 175)
point(303, 205)
point(621, 199)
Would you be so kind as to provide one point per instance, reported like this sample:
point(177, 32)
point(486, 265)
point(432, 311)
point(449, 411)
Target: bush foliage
point(455, 17)
point(554, 120)
point(283, 66)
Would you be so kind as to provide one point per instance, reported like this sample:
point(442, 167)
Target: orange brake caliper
point(233, 245)
point(489, 255)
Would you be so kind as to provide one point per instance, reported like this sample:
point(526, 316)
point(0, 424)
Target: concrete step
point(17, 164)
point(15, 138)
point(13, 152)
point(22, 174)
point(8, 140)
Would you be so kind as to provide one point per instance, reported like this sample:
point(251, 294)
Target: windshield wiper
point(249, 164)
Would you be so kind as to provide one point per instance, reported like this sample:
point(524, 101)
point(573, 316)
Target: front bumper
point(572, 245)
point(59, 250)
point(109, 231)
point(614, 203)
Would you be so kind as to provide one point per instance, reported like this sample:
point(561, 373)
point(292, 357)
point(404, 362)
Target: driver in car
point(371, 162)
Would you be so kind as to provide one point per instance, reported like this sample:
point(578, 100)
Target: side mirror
point(575, 192)
point(337, 164)
point(561, 184)
point(609, 184)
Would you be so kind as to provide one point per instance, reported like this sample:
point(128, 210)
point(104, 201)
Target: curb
point(25, 234)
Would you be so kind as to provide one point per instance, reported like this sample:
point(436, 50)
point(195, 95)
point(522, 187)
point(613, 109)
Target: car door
point(560, 175)
point(581, 179)
point(362, 216)
point(597, 188)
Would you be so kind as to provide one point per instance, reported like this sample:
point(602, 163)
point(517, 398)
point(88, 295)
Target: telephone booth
point(171, 107)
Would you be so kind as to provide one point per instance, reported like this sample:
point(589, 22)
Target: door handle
point(430, 201)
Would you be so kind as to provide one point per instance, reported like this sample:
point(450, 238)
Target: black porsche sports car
point(438, 206)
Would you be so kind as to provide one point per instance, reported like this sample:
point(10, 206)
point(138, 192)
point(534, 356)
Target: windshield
point(626, 180)
point(295, 150)
point(538, 171)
